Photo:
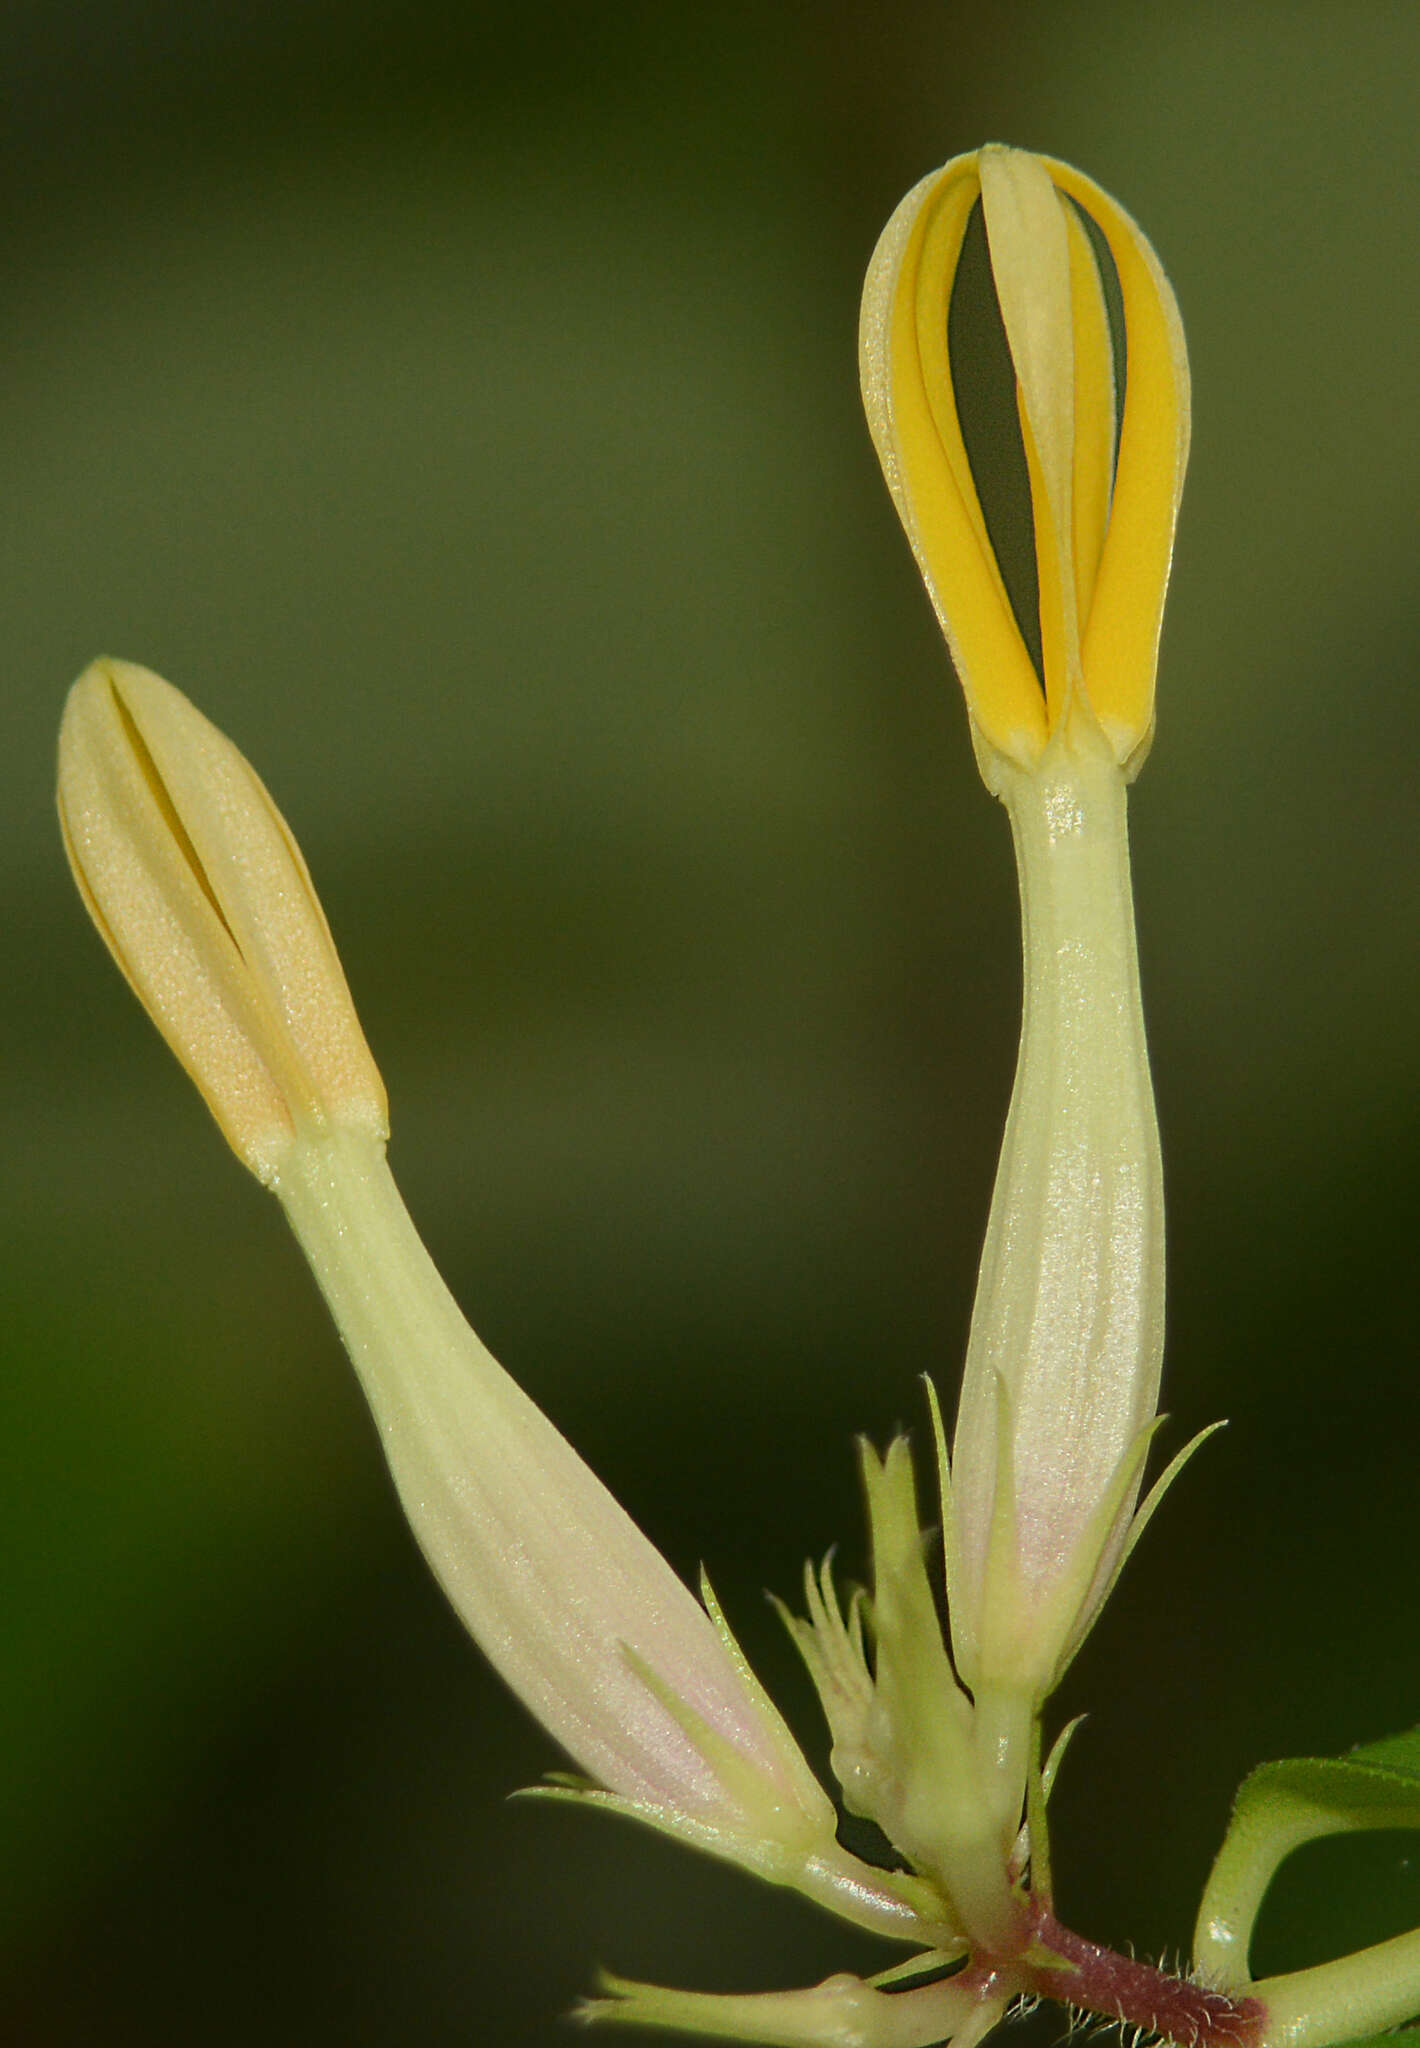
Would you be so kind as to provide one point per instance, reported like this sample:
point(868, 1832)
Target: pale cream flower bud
point(198, 889)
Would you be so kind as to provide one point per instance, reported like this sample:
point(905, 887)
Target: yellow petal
point(1029, 243)
point(910, 403)
point(1120, 645)
point(1094, 414)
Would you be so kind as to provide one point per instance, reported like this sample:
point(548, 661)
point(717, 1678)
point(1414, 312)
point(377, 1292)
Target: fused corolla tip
point(200, 893)
point(1104, 511)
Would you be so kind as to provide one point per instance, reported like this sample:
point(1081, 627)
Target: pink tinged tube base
point(580, 1614)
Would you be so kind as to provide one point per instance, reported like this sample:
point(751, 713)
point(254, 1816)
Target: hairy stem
point(1081, 1973)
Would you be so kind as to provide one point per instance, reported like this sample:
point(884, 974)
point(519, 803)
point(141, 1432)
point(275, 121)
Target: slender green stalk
point(1366, 1993)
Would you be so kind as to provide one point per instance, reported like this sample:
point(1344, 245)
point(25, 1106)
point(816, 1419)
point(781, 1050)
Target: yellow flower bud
point(1104, 524)
point(1061, 1381)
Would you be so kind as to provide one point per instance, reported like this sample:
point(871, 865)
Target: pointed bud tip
point(200, 893)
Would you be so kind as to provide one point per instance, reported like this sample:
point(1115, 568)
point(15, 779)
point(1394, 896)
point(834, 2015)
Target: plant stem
point(1366, 1993)
point(1100, 1980)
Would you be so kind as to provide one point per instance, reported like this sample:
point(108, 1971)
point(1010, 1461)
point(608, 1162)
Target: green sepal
point(842, 2012)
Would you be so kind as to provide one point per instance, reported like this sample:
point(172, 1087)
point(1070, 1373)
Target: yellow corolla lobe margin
point(1104, 517)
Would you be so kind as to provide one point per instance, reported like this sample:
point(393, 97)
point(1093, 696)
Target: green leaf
point(1400, 1753)
point(1279, 1807)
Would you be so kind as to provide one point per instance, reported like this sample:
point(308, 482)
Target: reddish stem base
point(1100, 1980)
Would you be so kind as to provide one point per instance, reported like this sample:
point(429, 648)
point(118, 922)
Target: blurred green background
point(460, 403)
